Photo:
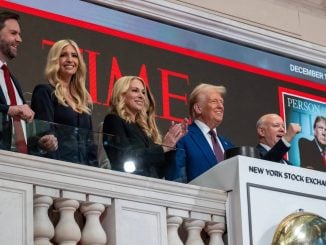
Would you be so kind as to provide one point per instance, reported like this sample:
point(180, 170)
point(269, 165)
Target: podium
point(261, 194)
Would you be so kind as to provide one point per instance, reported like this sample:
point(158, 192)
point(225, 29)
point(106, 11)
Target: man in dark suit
point(313, 152)
point(10, 39)
point(201, 148)
point(274, 141)
point(18, 112)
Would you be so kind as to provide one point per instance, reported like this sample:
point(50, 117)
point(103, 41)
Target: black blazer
point(275, 154)
point(124, 141)
point(310, 156)
point(6, 124)
point(72, 129)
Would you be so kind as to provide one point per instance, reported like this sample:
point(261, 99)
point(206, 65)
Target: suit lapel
point(286, 161)
point(200, 141)
point(19, 90)
point(261, 149)
point(225, 144)
point(2, 97)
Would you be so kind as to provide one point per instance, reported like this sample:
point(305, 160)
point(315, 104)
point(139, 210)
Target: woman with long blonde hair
point(131, 135)
point(65, 101)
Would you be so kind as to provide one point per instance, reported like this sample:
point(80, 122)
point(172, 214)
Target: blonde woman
point(131, 137)
point(65, 101)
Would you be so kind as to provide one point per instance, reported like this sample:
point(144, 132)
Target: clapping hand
point(175, 132)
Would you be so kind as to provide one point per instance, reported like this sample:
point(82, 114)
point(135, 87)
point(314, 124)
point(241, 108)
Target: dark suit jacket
point(275, 154)
point(72, 129)
point(124, 141)
point(310, 156)
point(6, 124)
point(194, 155)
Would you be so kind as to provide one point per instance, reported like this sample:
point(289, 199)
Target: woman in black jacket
point(131, 137)
point(65, 102)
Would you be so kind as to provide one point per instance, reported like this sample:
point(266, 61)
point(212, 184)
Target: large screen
point(172, 61)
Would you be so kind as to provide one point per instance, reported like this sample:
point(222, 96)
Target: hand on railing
point(22, 111)
point(48, 142)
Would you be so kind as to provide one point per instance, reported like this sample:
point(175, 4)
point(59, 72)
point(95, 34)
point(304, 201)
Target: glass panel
point(134, 155)
point(75, 145)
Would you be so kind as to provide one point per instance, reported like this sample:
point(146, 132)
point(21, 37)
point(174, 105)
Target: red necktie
point(19, 133)
point(216, 146)
point(324, 156)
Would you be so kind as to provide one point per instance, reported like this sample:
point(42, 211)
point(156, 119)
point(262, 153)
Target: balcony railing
point(44, 200)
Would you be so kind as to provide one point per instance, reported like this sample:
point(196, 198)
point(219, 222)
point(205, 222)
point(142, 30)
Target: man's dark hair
point(318, 119)
point(6, 15)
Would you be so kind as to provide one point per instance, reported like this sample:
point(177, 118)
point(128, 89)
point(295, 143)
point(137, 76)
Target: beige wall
point(290, 27)
point(301, 19)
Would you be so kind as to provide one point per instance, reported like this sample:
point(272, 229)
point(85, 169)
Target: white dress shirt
point(205, 130)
